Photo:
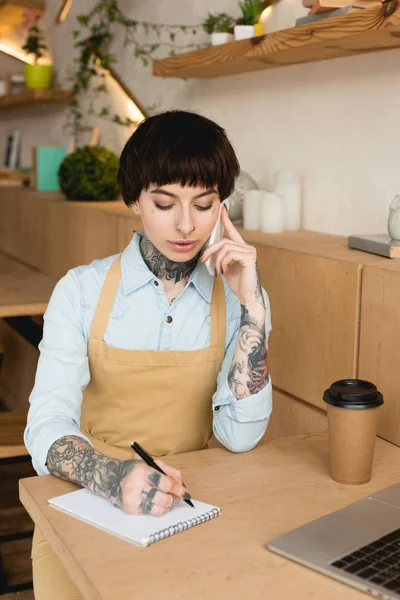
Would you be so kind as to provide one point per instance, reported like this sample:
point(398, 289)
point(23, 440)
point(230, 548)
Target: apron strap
point(218, 314)
point(106, 301)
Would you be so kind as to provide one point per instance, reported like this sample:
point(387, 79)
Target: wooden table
point(23, 291)
point(262, 494)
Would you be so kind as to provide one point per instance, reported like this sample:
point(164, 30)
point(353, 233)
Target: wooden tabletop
point(23, 291)
point(263, 493)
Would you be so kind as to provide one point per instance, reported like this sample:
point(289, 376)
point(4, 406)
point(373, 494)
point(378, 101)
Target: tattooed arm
point(248, 373)
point(130, 484)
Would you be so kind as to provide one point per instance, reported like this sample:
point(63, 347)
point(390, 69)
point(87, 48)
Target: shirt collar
point(135, 272)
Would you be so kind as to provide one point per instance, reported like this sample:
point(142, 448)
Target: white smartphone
point(216, 236)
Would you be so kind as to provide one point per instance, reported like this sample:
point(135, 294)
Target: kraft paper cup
point(353, 407)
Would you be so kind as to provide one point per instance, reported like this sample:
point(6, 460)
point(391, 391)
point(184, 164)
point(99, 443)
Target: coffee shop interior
point(306, 91)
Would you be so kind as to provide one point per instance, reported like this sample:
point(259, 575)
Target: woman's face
point(178, 220)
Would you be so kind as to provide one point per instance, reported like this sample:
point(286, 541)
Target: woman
point(146, 345)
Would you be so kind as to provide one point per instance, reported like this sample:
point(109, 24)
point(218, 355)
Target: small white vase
point(288, 187)
point(272, 213)
point(221, 37)
point(394, 219)
point(244, 32)
point(252, 209)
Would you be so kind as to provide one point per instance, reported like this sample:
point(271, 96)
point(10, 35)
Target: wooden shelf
point(31, 97)
point(368, 30)
point(12, 12)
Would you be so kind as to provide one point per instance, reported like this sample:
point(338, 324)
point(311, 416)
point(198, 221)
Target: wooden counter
point(262, 494)
point(52, 234)
point(327, 320)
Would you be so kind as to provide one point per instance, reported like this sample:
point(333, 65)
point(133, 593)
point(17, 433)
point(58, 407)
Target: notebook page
point(98, 511)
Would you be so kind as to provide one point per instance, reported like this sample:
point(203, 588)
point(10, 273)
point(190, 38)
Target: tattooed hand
point(146, 491)
point(238, 262)
point(130, 484)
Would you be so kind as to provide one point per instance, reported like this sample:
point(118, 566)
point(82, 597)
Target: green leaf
point(83, 20)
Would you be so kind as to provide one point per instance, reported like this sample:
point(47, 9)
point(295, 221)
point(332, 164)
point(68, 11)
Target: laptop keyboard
point(378, 562)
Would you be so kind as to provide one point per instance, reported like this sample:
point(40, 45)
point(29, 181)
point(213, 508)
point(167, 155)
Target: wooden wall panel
point(293, 417)
point(380, 342)
point(76, 236)
point(54, 235)
point(314, 306)
point(22, 224)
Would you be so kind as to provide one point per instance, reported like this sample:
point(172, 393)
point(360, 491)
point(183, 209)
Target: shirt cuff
point(43, 442)
point(257, 407)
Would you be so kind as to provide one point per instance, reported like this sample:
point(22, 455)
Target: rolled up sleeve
point(62, 374)
point(240, 424)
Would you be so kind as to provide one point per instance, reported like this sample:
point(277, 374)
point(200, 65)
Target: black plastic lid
point(353, 393)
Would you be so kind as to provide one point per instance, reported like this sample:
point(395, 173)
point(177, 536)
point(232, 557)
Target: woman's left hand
point(237, 261)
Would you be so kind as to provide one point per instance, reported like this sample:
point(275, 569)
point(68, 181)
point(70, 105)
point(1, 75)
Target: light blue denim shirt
point(137, 322)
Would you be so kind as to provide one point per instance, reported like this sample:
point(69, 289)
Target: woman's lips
point(183, 246)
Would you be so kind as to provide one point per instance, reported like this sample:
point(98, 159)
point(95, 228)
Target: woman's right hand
point(143, 490)
point(128, 484)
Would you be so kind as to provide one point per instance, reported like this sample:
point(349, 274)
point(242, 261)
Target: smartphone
point(216, 236)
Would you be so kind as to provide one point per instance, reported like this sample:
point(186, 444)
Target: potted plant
point(219, 26)
point(90, 173)
point(36, 75)
point(248, 26)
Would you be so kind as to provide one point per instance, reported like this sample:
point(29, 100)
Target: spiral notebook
point(141, 530)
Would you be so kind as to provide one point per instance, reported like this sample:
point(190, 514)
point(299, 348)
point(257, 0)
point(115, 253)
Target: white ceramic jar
point(272, 213)
point(252, 209)
point(288, 186)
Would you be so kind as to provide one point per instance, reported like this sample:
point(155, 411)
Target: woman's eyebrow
point(161, 191)
point(206, 193)
point(171, 195)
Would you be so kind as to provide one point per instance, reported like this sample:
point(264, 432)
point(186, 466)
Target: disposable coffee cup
point(352, 406)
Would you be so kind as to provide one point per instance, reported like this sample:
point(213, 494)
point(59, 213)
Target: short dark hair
point(177, 147)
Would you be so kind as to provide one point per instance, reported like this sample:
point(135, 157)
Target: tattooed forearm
point(73, 459)
point(249, 370)
point(163, 267)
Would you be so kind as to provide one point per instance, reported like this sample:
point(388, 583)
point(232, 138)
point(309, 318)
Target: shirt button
point(169, 319)
point(156, 283)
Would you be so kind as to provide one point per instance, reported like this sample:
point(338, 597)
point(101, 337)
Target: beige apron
point(159, 398)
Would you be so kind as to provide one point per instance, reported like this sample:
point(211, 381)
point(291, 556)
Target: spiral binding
point(183, 525)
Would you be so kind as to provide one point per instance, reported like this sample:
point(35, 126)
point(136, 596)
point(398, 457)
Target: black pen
point(145, 456)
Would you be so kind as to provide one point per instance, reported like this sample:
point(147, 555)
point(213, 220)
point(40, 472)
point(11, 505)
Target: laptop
point(358, 545)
